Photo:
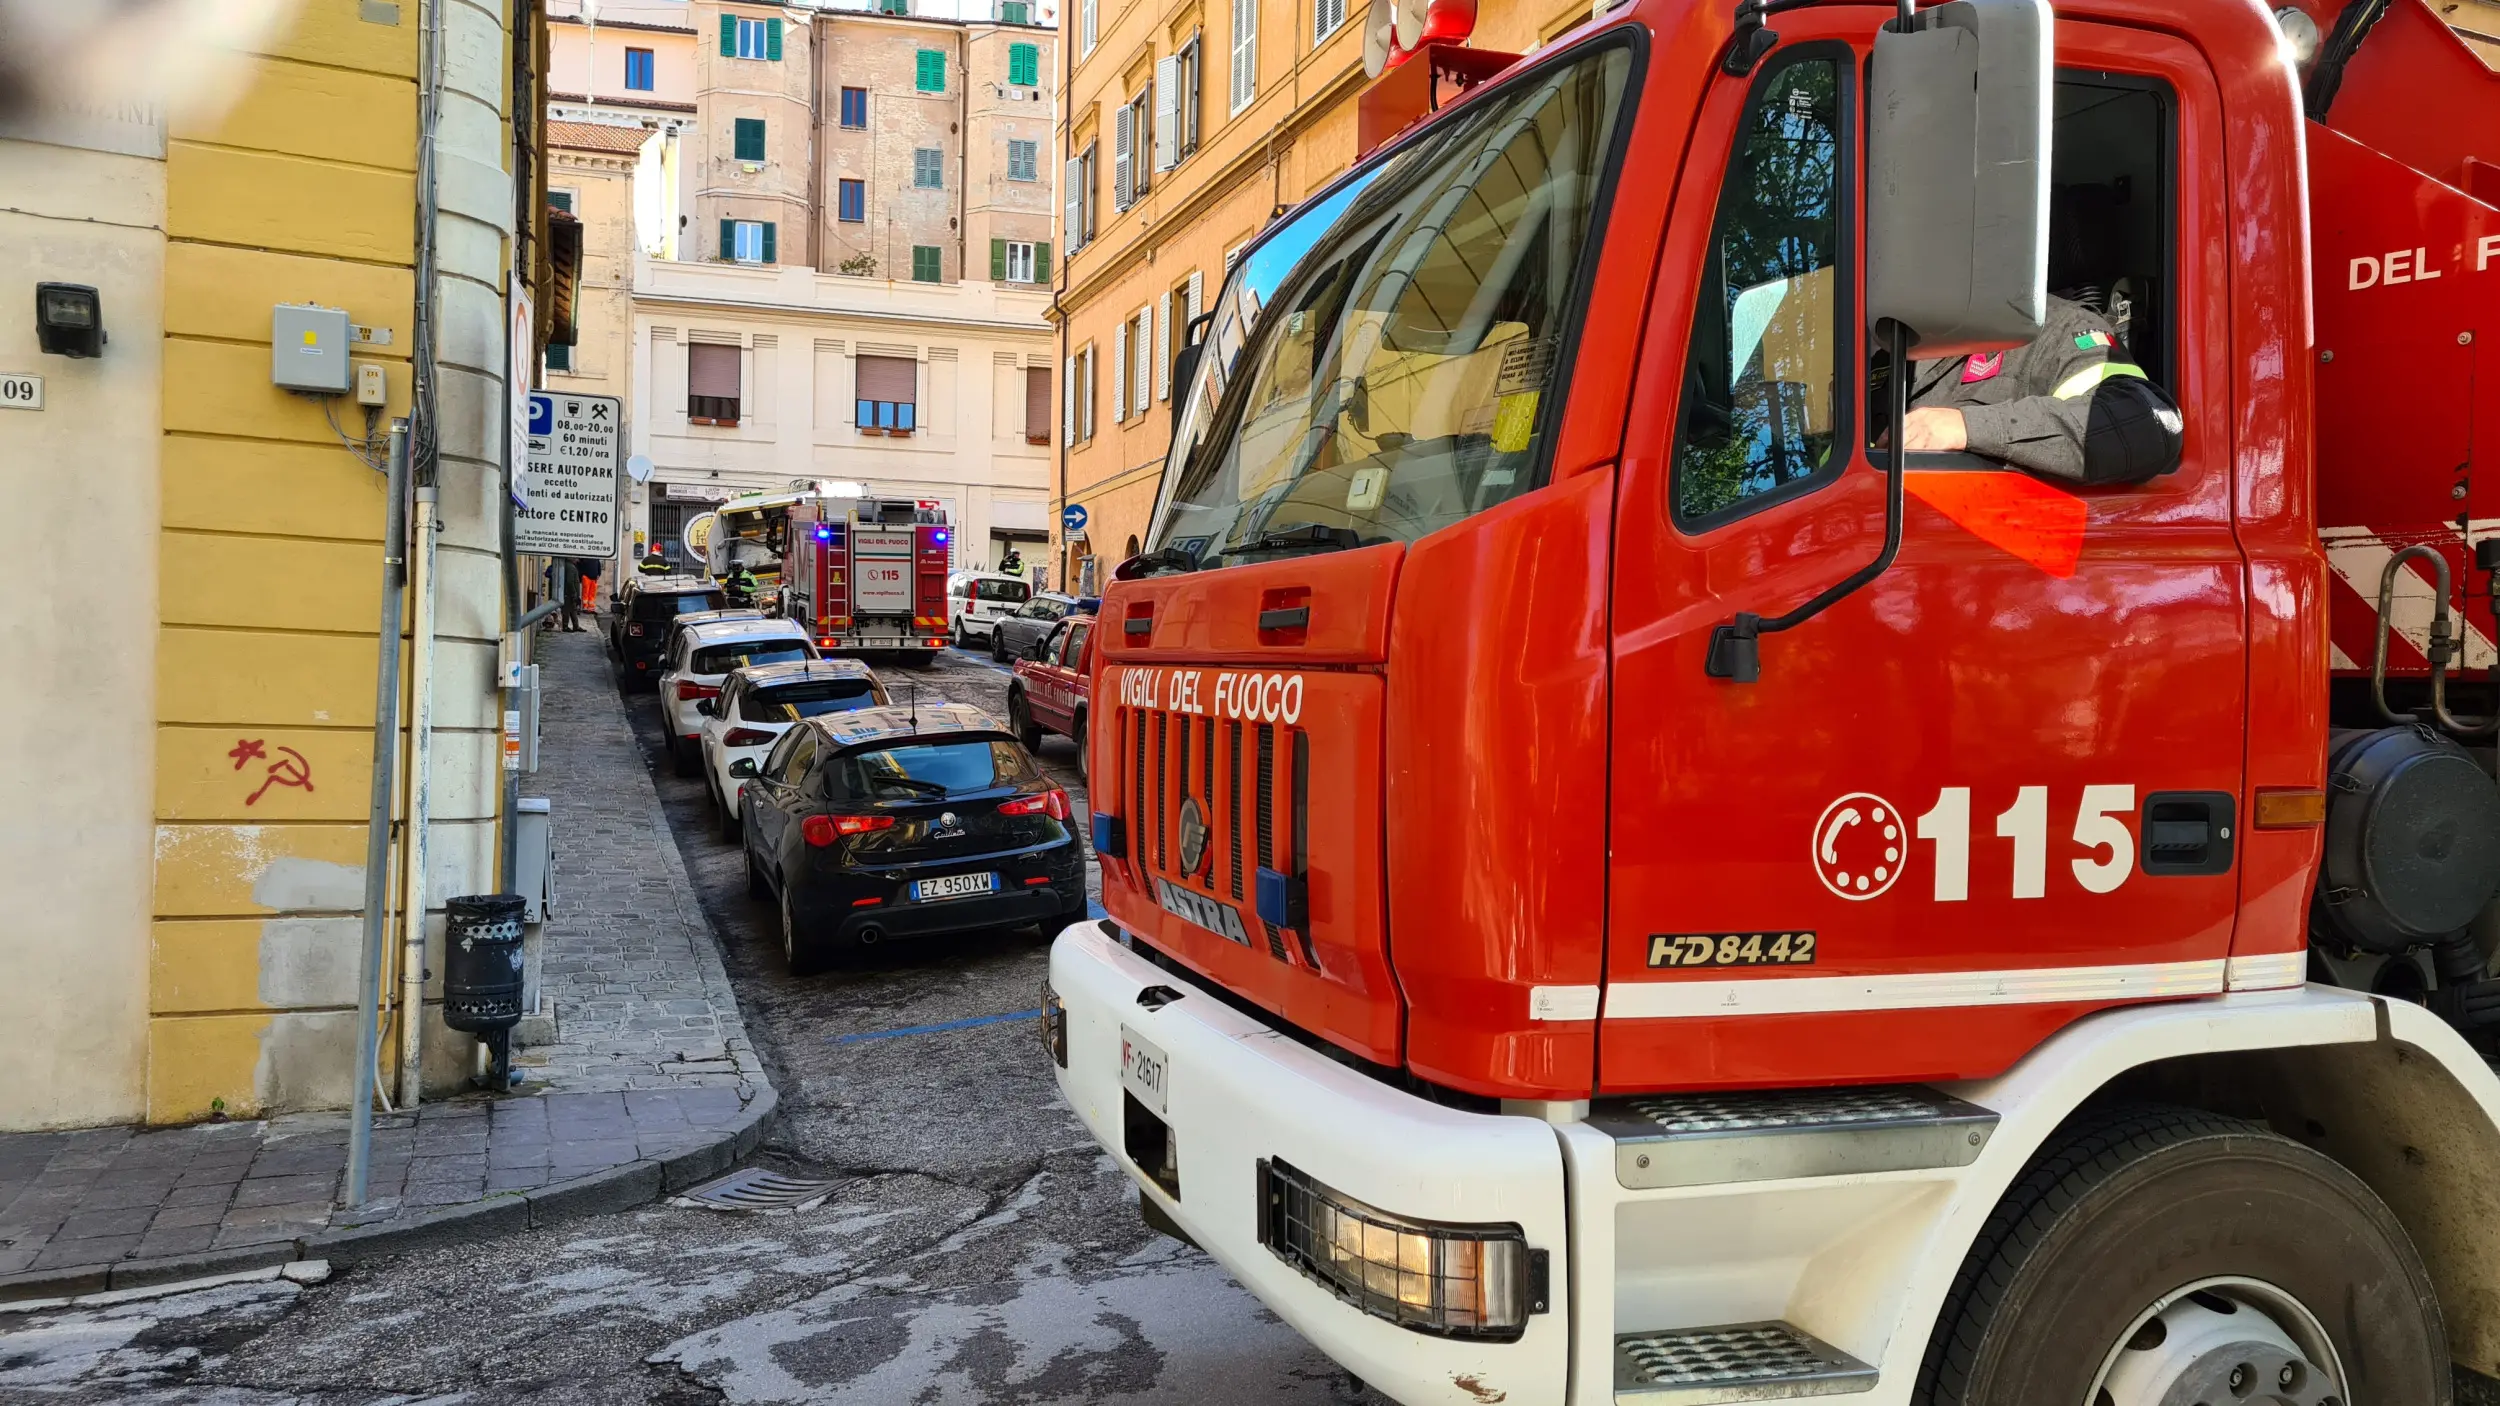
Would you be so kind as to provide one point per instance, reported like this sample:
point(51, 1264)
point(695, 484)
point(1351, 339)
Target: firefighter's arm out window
point(1760, 411)
point(2088, 400)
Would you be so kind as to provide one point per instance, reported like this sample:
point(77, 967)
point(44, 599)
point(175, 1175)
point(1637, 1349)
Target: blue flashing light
point(824, 533)
point(938, 536)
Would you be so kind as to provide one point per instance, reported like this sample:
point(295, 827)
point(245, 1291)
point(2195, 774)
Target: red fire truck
point(1623, 889)
point(868, 575)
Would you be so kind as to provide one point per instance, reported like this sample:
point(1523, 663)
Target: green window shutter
point(729, 36)
point(749, 140)
point(728, 238)
point(772, 40)
point(1041, 261)
point(768, 242)
point(926, 265)
point(998, 261)
point(932, 71)
point(1024, 65)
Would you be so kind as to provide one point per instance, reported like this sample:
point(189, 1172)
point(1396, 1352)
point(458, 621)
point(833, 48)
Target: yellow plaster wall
point(303, 190)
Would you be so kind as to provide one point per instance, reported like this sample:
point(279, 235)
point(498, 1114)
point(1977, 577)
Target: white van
point(975, 600)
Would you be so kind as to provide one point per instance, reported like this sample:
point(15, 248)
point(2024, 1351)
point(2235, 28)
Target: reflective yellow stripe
point(2085, 380)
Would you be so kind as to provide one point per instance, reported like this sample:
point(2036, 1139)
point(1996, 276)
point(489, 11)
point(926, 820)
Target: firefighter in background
point(1012, 563)
point(655, 564)
point(2070, 404)
point(740, 585)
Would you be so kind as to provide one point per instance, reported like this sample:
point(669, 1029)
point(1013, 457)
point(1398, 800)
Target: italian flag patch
point(2089, 340)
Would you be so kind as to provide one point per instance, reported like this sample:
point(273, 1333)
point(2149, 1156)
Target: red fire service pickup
point(1623, 888)
point(868, 574)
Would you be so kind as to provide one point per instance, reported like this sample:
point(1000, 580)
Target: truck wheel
point(1083, 776)
point(2155, 1255)
point(1020, 722)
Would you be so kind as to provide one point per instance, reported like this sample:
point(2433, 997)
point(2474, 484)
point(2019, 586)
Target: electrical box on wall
point(308, 348)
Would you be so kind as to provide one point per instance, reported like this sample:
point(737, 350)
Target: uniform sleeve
point(2088, 416)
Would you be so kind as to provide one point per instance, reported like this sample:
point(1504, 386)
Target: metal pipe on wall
point(420, 775)
point(375, 951)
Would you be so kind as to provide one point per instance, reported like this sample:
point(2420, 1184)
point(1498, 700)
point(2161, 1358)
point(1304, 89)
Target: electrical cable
point(367, 452)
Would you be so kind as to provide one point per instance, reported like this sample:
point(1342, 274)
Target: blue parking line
point(966, 1024)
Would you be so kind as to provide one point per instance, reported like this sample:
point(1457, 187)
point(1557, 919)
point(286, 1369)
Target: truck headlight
point(1456, 1281)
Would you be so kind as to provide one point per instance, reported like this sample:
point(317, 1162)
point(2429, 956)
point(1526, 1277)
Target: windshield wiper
point(1160, 559)
point(915, 785)
point(1309, 536)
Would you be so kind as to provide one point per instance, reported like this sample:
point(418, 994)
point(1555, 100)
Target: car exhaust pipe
point(871, 935)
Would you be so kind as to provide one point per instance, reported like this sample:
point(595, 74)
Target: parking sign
point(574, 479)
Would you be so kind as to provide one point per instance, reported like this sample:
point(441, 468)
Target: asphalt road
point(979, 1248)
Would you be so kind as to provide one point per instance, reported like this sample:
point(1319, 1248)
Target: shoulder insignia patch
point(2090, 340)
point(1981, 368)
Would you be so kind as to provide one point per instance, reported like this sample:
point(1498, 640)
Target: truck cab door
point(1917, 845)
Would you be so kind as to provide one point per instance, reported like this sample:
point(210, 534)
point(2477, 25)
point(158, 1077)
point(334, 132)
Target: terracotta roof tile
point(596, 136)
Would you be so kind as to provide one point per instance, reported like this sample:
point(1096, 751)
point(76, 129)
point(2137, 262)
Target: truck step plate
point(1705, 1139)
point(1733, 1362)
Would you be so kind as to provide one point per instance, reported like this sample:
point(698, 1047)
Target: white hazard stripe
point(1812, 995)
point(2357, 556)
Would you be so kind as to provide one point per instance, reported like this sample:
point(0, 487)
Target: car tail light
point(745, 737)
point(1053, 803)
point(817, 830)
point(1456, 1281)
point(822, 830)
point(688, 690)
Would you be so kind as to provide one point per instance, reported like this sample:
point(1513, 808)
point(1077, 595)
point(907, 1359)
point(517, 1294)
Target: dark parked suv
point(879, 823)
point(640, 632)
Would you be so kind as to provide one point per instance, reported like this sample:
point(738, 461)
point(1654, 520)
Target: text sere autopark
point(1247, 696)
point(2410, 265)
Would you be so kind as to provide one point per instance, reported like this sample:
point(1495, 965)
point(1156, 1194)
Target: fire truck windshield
point(1388, 361)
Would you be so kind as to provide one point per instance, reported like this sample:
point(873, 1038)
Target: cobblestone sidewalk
point(651, 1086)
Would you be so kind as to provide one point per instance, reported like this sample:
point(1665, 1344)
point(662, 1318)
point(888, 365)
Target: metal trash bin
point(482, 973)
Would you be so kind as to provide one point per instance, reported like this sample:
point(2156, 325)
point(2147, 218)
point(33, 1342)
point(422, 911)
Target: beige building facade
point(1189, 127)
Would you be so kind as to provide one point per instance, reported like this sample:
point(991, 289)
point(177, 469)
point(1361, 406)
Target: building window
point(853, 206)
point(1176, 105)
point(1245, 53)
point(559, 357)
point(894, 7)
point(712, 384)
point(932, 75)
point(561, 200)
point(748, 241)
point(1015, 12)
point(1129, 130)
point(1037, 405)
point(928, 169)
point(889, 391)
point(1023, 160)
point(748, 142)
point(750, 39)
point(638, 70)
point(1085, 27)
point(1326, 15)
point(1078, 192)
point(1024, 65)
point(1079, 423)
point(854, 107)
point(928, 264)
point(1019, 261)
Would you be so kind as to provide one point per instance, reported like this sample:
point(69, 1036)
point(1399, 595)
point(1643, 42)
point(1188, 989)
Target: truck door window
point(1760, 403)
point(1406, 373)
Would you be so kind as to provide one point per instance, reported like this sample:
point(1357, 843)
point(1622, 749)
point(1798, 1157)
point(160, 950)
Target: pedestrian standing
point(569, 597)
point(590, 567)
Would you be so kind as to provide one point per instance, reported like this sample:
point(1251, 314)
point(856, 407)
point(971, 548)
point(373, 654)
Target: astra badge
point(1193, 835)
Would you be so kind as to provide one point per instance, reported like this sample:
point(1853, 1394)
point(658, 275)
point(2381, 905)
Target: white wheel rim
point(2227, 1341)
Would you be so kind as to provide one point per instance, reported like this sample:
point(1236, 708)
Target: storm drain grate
point(760, 1189)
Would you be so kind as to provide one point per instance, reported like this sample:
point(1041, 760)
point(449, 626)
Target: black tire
point(998, 645)
point(1020, 721)
point(962, 640)
point(681, 758)
point(730, 826)
point(757, 886)
point(799, 948)
point(1084, 778)
point(2131, 1205)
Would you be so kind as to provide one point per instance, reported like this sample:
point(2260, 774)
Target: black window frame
point(1849, 353)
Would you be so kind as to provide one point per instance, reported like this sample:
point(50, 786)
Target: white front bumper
point(1240, 1091)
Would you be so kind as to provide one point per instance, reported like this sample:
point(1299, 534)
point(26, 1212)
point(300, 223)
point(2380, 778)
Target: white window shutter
point(1086, 26)
point(1067, 404)
point(1245, 52)
point(1072, 188)
point(1124, 158)
point(1163, 349)
point(1197, 302)
point(1167, 112)
point(1119, 374)
point(1085, 404)
point(1144, 373)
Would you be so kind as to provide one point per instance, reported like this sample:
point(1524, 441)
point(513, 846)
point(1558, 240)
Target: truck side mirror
point(1185, 362)
point(1957, 191)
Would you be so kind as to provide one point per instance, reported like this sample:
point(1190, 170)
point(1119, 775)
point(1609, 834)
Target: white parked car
point(705, 655)
point(757, 705)
point(975, 600)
